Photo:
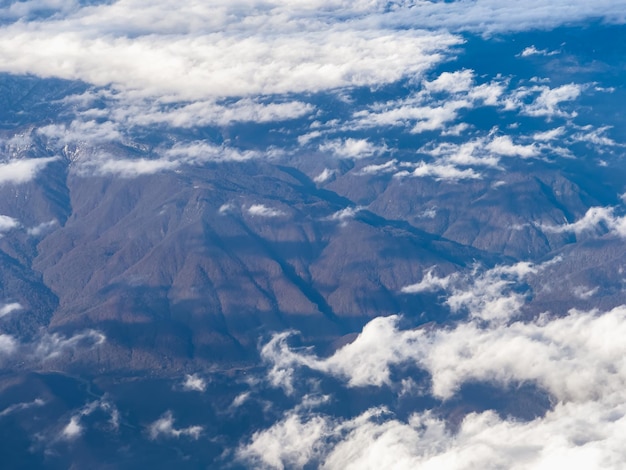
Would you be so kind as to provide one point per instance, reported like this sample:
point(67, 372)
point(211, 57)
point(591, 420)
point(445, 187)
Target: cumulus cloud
point(22, 171)
point(277, 448)
point(575, 359)
point(164, 427)
point(194, 383)
point(261, 210)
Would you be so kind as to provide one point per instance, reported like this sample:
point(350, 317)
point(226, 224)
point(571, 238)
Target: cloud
point(543, 101)
point(551, 134)
point(164, 427)
point(22, 171)
point(351, 148)
point(6, 309)
point(203, 113)
point(134, 168)
point(231, 49)
point(575, 359)
point(343, 215)
point(324, 176)
point(73, 429)
point(41, 228)
point(595, 219)
point(595, 137)
point(429, 283)
point(52, 345)
point(82, 131)
point(8, 223)
point(22, 406)
point(427, 110)
point(440, 172)
point(486, 296)
point(8, 344)
point(199, 152)
point(260, 210)
point(503, 145)
point(532, 50)
point(194, 383)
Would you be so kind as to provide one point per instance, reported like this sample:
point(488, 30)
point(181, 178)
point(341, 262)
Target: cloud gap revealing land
point(312, 234)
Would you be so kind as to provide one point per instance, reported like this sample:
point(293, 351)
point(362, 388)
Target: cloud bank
point(576, 359)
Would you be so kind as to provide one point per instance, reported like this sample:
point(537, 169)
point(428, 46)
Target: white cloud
point(22, 171)
point(8, 344)
point(346, 214)
point(279, 448)
point(576, 359)
point(82, 131)
point(552, 134)
point(429, 283)
point(324, 176)
point(41, 228)
point(260, 210)
point(440, 172)
point(226, 49)
point(425, 110)
point(22, 406)
point(387, 167)
point(7, 309)
point(584, 293)
point(199, 152)
point(595, 219)
point(73, 429)
point(50, 346)
point(8, 223)
point(351, 148)
point(544, 101)
point(596, 137)
point(164, 427)
point(203, 113)
point(226, 208)
point(194, 383)
point(134, 168)
point(452, 82)
point(532, 50)
point(503, 145)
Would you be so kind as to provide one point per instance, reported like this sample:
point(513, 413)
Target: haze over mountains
point(320, 234)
